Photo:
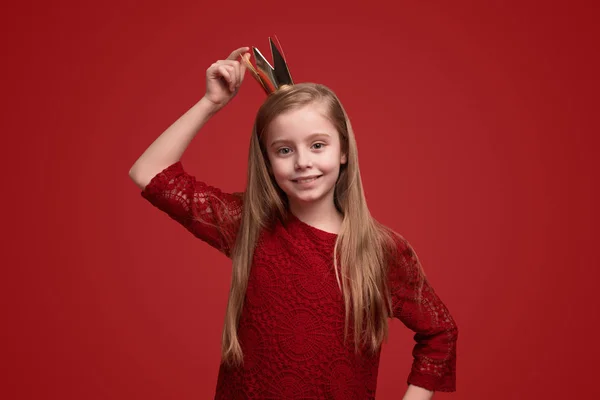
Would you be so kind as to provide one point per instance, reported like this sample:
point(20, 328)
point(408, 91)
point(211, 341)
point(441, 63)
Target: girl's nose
point(303, 160)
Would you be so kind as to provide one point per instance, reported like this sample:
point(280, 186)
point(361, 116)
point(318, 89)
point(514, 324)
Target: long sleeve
point(436, 333)
point(205, 211)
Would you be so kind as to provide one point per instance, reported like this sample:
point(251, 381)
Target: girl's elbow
point(137, 178)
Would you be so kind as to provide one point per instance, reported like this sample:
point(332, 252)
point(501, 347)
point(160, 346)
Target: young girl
point(315, 277)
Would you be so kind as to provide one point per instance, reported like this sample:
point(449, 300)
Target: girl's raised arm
point(223, 78)
point(208, 213)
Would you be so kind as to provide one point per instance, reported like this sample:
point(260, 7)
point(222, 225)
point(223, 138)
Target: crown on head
point(270, 78)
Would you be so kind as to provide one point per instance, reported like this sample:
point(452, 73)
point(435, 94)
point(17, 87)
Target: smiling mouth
point(306, 180)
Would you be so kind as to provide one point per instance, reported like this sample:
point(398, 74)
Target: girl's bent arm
point(436, 333)
point(204, 210)
point(168, 148)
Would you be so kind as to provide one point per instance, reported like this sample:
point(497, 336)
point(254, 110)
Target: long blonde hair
point(363, 247)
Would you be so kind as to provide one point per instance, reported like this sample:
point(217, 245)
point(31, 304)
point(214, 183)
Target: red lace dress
point(291, 328)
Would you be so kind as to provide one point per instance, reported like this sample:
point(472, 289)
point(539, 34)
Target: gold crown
point(270, 78)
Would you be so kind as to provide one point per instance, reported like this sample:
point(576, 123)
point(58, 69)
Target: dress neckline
point(314, 231)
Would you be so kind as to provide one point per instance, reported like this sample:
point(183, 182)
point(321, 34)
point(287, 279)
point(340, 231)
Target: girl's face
point(303, 148)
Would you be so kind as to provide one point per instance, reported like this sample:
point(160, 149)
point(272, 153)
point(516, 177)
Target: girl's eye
point(318, 146)
point(284, 150)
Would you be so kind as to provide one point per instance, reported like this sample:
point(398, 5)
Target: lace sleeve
point(207, 212)
point(416, 304)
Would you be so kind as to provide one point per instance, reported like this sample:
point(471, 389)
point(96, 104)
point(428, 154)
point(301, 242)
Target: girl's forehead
point(302, 121)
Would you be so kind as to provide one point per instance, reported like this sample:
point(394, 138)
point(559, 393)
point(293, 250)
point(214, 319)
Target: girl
point(315, 277)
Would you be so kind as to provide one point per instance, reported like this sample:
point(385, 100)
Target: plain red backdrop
point(478, 141)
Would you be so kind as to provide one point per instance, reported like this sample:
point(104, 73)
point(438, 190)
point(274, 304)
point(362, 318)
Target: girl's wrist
point(210, 107)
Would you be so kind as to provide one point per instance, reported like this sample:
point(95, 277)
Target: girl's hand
point(224, 77)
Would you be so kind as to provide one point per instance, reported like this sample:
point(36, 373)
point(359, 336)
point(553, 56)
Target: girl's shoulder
point(394, 243)
point(400, 255)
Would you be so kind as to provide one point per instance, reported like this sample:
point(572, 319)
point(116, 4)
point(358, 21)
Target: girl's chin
point(307, 197)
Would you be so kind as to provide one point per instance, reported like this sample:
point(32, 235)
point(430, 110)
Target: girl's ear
point(344, 159)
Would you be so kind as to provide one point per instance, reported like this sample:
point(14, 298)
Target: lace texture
point(292, 326)
point(207, 212)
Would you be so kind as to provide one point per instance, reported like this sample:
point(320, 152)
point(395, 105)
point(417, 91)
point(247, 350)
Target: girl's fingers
point(233, 75)
point(233, 68)
point(222, 70)
point(236, 53)
point(236, 65)
point(228, 62)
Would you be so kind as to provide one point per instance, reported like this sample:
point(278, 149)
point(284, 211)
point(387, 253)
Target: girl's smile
point(306, 181)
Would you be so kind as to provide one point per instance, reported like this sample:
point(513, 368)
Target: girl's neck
point(323, 216)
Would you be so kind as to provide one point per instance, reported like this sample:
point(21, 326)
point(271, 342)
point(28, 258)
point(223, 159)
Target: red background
point(478, 141)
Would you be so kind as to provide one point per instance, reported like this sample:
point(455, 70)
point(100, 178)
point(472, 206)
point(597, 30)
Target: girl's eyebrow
point(308, 139)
